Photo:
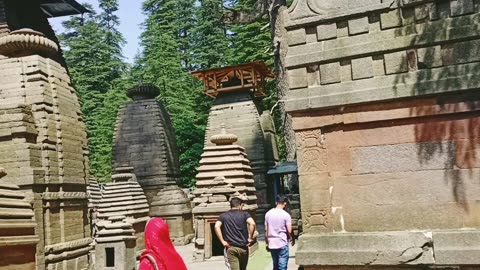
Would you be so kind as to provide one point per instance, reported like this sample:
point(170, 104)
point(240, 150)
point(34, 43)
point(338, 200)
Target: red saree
point(159, 254)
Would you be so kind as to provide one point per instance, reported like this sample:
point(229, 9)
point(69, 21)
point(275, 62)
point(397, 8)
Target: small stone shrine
point(18, 242)
point(115, 245)
point(43, 143)
point(144, 138)
point(125, 197)
point(94, 194)
point(237, 91)
point(224, 173)
point(384, 97)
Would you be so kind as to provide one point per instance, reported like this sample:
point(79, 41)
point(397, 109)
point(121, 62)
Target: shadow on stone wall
point(447, 119)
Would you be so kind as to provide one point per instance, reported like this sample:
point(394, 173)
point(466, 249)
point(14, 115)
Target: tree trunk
point(279, 33)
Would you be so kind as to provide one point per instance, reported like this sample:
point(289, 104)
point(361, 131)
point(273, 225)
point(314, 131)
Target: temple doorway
point(217, 247)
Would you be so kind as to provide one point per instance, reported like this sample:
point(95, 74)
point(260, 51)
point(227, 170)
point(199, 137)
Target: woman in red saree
point(159, 254)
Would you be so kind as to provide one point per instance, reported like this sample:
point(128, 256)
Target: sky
point(130, 19)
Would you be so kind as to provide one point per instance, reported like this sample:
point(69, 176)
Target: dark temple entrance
point(217, 247)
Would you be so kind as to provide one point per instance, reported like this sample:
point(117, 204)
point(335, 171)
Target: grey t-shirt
point(234, 227)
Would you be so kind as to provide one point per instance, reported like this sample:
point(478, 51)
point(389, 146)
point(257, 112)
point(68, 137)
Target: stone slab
point(326, 31)
point(457, 247)
point(389, 248)
point(362, 68)
point(358, 26)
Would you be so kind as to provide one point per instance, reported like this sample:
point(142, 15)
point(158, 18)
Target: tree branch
point(233, 16)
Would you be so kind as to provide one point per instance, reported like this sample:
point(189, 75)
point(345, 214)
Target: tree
point(93, 53)
point(211, 43)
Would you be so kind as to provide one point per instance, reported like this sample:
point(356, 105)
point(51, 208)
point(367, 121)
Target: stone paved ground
point(260, 261)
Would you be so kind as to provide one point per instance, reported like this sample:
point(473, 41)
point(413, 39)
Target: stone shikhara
point(144, 139)
point(224, 173)
point(43, 143)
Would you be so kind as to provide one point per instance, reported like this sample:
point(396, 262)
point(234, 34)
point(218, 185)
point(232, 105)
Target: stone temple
point(43, 144)
point(224, 173)
point(237, 91)
point(384, 99)
point(144, 139)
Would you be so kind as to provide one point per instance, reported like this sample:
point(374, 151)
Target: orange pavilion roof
point(251, 76)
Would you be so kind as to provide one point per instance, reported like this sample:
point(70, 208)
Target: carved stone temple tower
point(224, 173)
point(144, 139)
point(385, 101)
point(43, 144)
point(238, 90)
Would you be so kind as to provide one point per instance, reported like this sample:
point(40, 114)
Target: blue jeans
point(280, 258)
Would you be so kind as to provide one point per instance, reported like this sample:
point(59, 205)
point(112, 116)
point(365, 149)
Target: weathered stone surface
point(297, 78)
point(388, 146)
point(387, 248)
point(462, 52)
point(390, 19)
point(297, 37)
point(396, 62)
point(358, 26)
point(330, 73)
point(326, 31)
point(461, 7)
point(362, 68)
point(429, 57)
point(313, 75)
point(403, 157)
point(457, 247)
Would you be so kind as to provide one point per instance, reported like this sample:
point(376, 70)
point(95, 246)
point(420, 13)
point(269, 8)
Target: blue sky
point(130, 19)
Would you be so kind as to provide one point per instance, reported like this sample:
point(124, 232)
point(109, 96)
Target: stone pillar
point(241, 115)
point(145, 139)
point(224, 173)
point(384, 99)
point(115, 245)
point(125, 197)
point(17, 229)
point(42, 136)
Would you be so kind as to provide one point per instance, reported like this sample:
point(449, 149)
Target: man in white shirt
point(278, 232)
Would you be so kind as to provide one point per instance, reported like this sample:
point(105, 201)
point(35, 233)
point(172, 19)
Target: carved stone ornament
point(24, 42)
point(307, 8)
point(143, 91)
point(223, 138)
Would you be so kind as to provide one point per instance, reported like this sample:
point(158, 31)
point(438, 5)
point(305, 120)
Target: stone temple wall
point(255, 131)
point(385, 105)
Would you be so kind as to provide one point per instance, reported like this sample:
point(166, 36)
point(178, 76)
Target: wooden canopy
point(251, 76)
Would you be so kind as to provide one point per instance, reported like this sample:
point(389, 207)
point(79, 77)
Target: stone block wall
point(384, 98)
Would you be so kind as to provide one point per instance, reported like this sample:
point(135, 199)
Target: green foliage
point(93, 54)
point(210, 36)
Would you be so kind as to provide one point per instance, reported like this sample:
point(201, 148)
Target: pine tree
point(211, 36)
point(93, 54)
